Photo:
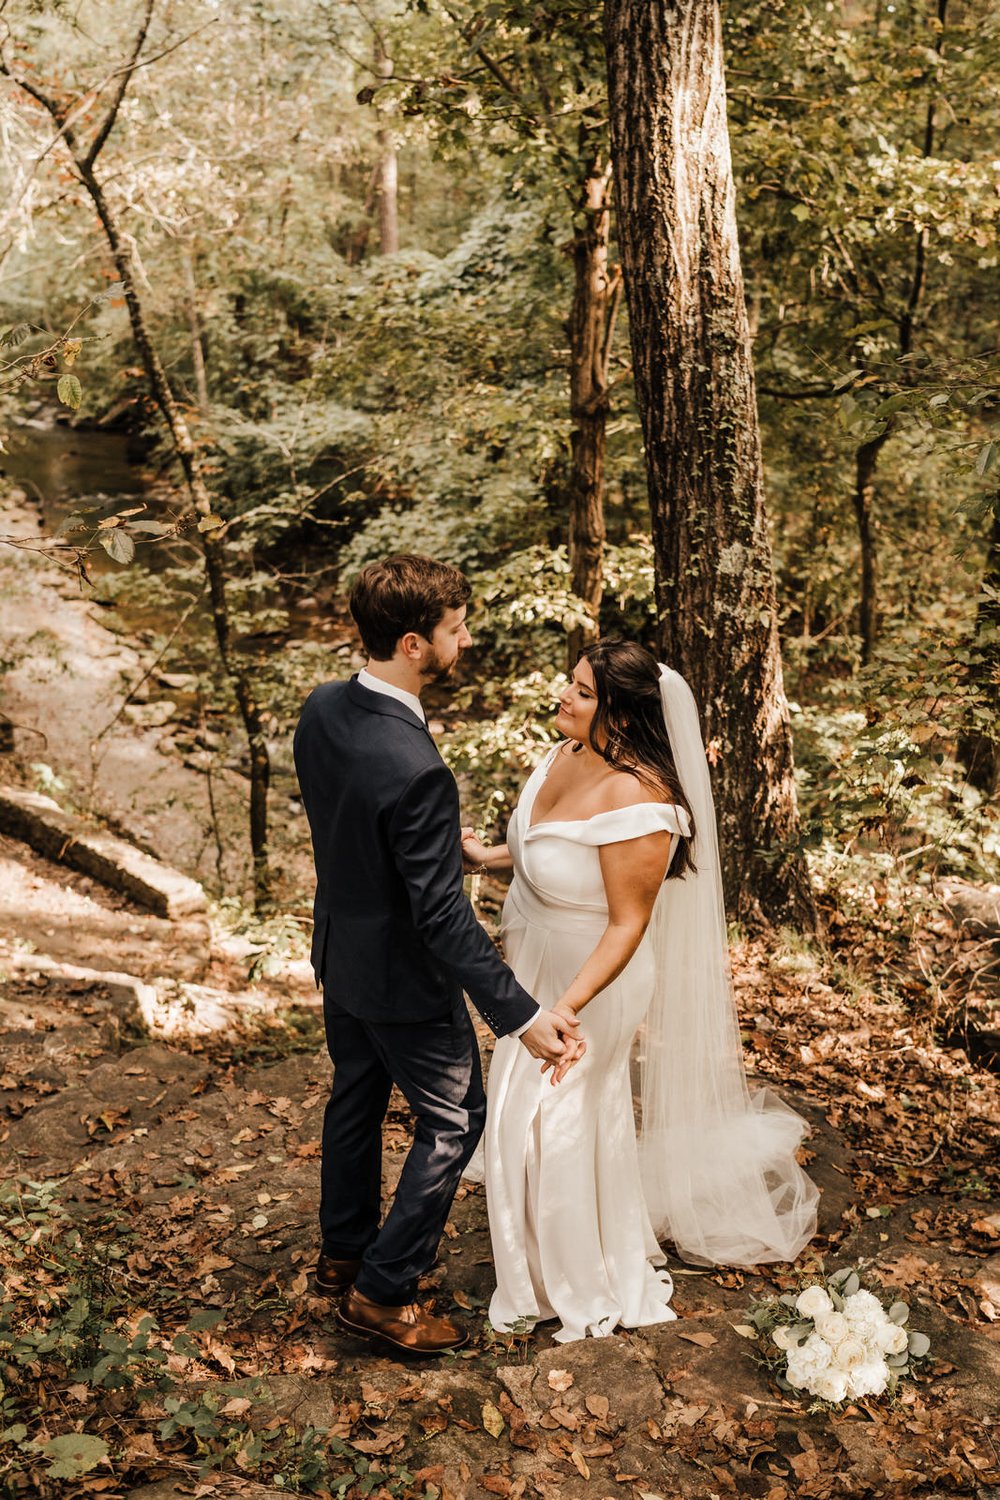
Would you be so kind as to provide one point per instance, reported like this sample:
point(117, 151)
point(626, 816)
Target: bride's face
point(578, 704)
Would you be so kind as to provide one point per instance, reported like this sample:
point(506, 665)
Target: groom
point(395, 944)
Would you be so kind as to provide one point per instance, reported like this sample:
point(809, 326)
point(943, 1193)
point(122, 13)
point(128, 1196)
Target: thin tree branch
point(111, 114)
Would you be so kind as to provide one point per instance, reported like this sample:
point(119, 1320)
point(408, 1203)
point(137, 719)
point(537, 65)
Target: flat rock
point(63, 836)
point(973, 907)
point(139, 1088)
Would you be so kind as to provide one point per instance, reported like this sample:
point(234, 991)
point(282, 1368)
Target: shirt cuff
point(522, 1029)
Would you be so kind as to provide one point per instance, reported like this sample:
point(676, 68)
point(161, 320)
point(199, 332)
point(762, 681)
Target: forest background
point(374, 258)
point(347, 278)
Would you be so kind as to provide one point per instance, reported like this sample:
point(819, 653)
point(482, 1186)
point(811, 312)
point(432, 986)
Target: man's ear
point(411, 646)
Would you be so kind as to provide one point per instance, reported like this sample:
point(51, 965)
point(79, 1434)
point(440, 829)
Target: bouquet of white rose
point(838, 1342)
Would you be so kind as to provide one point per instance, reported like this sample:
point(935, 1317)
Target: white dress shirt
point(376, 685)
point(413, 703)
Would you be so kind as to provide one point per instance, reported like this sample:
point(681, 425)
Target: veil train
point(718, 1163)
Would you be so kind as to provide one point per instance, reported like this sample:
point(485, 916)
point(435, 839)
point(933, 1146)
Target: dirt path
point(200, 1158)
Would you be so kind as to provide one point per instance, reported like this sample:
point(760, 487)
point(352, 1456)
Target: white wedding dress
point(572, 1237)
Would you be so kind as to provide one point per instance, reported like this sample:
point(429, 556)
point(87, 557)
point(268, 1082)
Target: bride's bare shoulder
point(625, 790)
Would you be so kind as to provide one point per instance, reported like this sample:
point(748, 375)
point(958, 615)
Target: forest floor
point(158, 1248)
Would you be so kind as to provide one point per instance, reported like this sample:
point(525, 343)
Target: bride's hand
point(575, 1047)
point(474, 851)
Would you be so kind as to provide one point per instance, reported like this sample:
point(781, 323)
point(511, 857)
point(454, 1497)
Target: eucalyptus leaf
point(918, 1345)
point(852, 1284)
point(899, 1312)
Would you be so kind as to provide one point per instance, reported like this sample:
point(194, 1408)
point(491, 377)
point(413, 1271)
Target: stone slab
point(62, 836)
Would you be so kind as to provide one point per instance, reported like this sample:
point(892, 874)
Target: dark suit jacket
point(395, 936)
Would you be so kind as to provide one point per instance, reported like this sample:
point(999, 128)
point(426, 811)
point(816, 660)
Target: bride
point(615, 914)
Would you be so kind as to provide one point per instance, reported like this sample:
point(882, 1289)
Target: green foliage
point(72, 1314)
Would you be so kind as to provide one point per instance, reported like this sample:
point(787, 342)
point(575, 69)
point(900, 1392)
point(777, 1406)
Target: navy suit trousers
point(435, 1065)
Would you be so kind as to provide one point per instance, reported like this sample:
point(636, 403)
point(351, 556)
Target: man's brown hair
point(402, 593)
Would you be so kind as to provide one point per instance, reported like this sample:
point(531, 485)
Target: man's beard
point(435, 669)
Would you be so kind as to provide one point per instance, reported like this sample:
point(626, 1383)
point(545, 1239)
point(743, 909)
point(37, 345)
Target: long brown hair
point(629, 719)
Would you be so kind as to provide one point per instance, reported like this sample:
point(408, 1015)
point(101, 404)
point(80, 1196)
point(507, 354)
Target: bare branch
point(111, 114)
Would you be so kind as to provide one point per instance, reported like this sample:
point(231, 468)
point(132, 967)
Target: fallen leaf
point(492, 1420)
point(598, 1406)
point(580, 1463)
point(560, 1380)
point(704, 1340)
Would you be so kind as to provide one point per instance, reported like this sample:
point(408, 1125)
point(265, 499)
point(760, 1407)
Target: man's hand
point(550, 1035)
point(574, 1047)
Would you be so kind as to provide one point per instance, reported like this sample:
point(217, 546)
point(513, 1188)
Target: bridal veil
point(718, 1162)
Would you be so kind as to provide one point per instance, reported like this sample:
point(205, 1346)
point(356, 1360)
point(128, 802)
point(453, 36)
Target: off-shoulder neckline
point(611, 812)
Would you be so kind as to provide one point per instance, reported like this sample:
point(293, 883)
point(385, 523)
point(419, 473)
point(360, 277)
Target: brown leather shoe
point(333, 1277)
point(408, 1328)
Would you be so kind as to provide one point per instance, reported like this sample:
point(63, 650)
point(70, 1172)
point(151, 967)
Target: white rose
point(869, 1379)
point(891, 1339)
point(807, 1361)
point(833, 1327)
point(782, 1336)
point(864, 1311)
point(850, 1353)
point(830, 1385)
point(812, 1302)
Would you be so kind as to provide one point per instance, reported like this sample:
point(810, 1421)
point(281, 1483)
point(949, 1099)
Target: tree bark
point(867, 457)
point(194, 324)
point(866, 462)
point(978, 750)
point(591, 327)
point(695, 388)
point(388, 170)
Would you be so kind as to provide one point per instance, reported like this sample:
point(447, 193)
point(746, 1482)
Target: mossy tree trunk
point(695, 389)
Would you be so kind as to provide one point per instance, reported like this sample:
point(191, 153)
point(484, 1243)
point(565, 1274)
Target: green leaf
point(919, 1345)
point(118, 545)
point(74, 1454)
point(71, 523)
point(987, 458)
point(70, 391)
point(801, 211)
point(151, 528)
point(16, 335)
point(207, 1319)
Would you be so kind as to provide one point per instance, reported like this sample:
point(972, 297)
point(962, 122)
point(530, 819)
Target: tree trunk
point(388, 171)
point(214, 552)
point(695, 388)
point(866, 462)
point(867, 457)
point(194, 324)
point(978, 749)
point(591, 326)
